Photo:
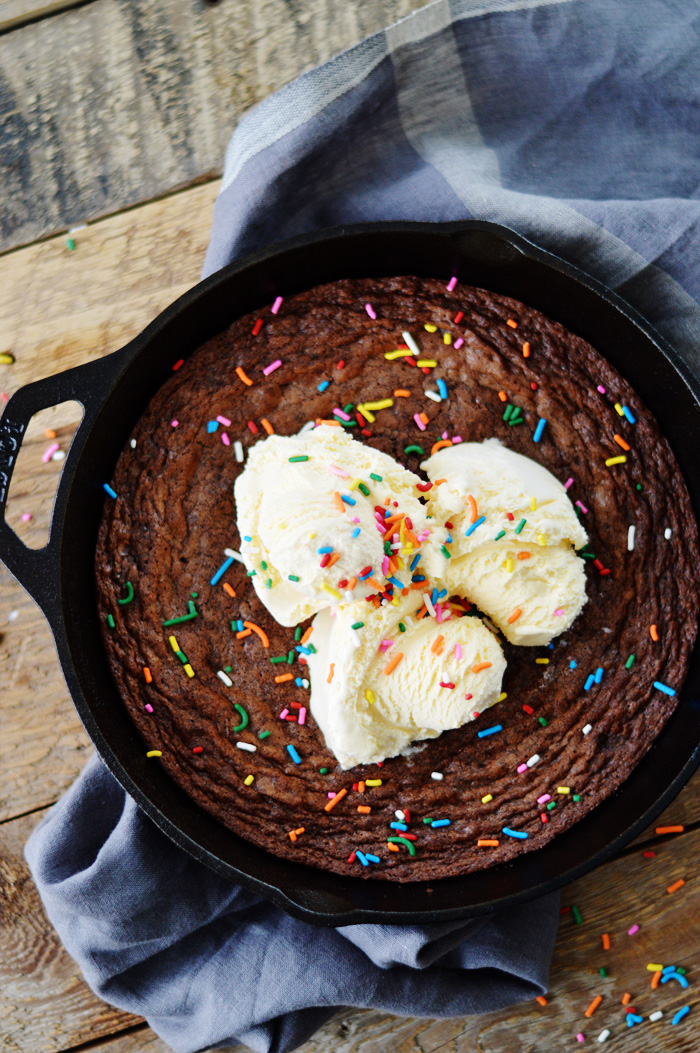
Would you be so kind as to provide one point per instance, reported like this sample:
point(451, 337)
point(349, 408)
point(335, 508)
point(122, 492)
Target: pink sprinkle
point(225, 421)
point(458, 651)
point(385, 645)
point(4, 396)
point(444, 435)
point(276, 305)
point(49, 452)
point(582, 507)
point(272, 367)
point(148, 707)
point(385, 566)
point(26, 516)
point(631, 932)
point(601, 389)
point(438, 613)
point(302, 715)
point(283, 714)
point(225, 439)
point(355, 519)
point(419, 422)
point(521, 768)
point(342, 414)
point(456, 439)
point(569, 482)
point(331, 795)
point(338, 471)
point(370, 310)
point(458, 343)
point(544, 798)
point(379, 527)
point(451, 284)
point(174, 423)
point(580, 1037)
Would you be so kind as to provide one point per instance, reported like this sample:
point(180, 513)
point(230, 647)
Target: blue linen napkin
point(575, 122)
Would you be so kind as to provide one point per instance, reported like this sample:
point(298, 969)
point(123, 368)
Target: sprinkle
point(267, 426)
point(242, 376)
point(670, 829)
point(470, 530)
point(426, 363)
point(487, 843)
point(293, 753)
point(589, 682)
point(399, 353)
point(323, 385)
point(257, 327)
point(393, 663)
point(674, 975)
point(430, 328)
point(593, 1006)
point(663, 687)
point(618, 409)
point(628, 413)
point(154, 753)
point(180, 362)
point(615, 460)
point(338, 797)
point(437, 775)
point(402, 841)
point(458, 343)
point(379, 405)
point(373, 782)
point(634, 929)
point(331, 671)
point(439, 822)
point(680, 1014)
point(582, 507)
point(442, 388)
point(249, 747)
point(544, 798)
point(276, 305)
point(605, 1034)
point(238, 450)
point(539, 429)
point(481, 666)
point(533, 760)
point(106, 487)
point(629, 662)
point(370, 311)
point(419, 421)
point(626, 999)
point(410, 342)
point(653, 968)
point(253, 427)
point(519, 834)
point(667, 533)
point(520, 526)
point(225, 678)
point(450, 286)
point(580, 1037)
point(526, 350)
point(630, 537)
point(435, 398)
point(490, 731)
point(542, 661)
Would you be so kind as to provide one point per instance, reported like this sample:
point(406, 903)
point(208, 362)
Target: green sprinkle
point(387, 548)
point(291, 655)
point(588, 555)
point(551, 805)
point(227, 668)
point(184, 618)
point(428, 819)
point(499, 535)
point(446, 552)
point(348, 407)
point(509, 410)
point(268, 583)
point(110, 621)
point(403, 841)
point(576, 913)
point(377, 478)
point(348, 424)
point(515, 420)
point(542, 721)
point(576, 797)
point(520, 526)
point(263, 564)
point(680, 969)
point(293, 577)
point(311, 648)
point(279, 658)
point(251, 573)
point(300, 457)
point(129, 595)
point(402, 627)
point(630, 662)
point(639, 487)
point(357, 625)
point(70, 243)
point(603, 971)
point(413, 449)
point(182, 657)
point(323, 771)
point(297, 633)
point(263, 734)
point(364, 489)
point(244, 717)
point(194, 595)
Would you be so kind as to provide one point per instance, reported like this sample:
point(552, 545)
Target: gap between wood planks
point(17, 13)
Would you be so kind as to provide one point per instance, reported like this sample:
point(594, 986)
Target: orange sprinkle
point(335, 556)
point(256, 629)
point(401, 393)
point(523, 555)
point(331, 671)
point(472, 505)
point(242, 633)
point(339, 502)
point(361, 786)
point(50, 433)
point(267, 426)
point(676, 885)
point(481, 665)
point(526, 350)
point(437, 643)
point(541, 999)
point(512, 323)
point(621, 442)
point(393, 663)
point(424, 417)
point(387, 501)
point(284, 677)
point(306, 635)
point(439, 482)
point(593, 1006)
point(655, 980)
point(392, 847)
point(486, 843)
point(365, 809)
point(292, 835)
point(352, 583)
point(439, 445)
point(377, 584)
point(626, 998)
point(332, 423)
point(423, 611)
point(653, 632)
point(229, 590)
point(147, 674)
point(670, 829)
point(242, 375)
point(606, 941)
point(334, 800)
point(515, 615)
point(502, 396)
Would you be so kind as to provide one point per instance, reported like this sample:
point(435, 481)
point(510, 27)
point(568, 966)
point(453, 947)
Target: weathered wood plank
point(15, 13)
point(120, 101)
point(46, 1007)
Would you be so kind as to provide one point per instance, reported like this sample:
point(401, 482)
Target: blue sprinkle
point(348, 500)
point(414, 562)
point(441, 593)
point(367, 575)
point(246, 537)
point(550, 646)
point(539, 429)
point(239, 625)
point(628, 413)
point(108, 489)
point(632, 1020)
point(355, 532)
point(448, 539)
point(398, 826)
point(324, 550)
point(520, 834)
point(490, 731)
point(395, 581)
point(361, 857)
point(372, 859)
point(674, 976)
point(442, 388)
point(598, 675)
point(323, 385)
point(299, 682)
point(572, 663)
point(293, 754)
point(221, 571)
point(680, 1014)
point(212, 425)
point(418, 577)
point(669, 969)
point(440, 822)
point(589, 683)
point(300, 649)
point(473, 526)
point(662, 687)
point(433, 597)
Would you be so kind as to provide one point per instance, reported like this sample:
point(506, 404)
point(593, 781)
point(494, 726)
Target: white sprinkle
point(437, 775)
point(408, 620)
point(533, 760)
point(226, 679)
point(74, 230)
point(667, 533)
point(58, 455)
point(12, 615)
point(432, 395)
point(399, 815)
point(348, 596)
point(656, 1016)
point(587, 730)
point(309, 426)
point(133, 444)
point(305, 683)
point(247, 746)
point(238, 450)
point(355, 637)
point(411, 343)
point(630, 538)
point(604, 1035)
point(429, 605)
point(232, 554)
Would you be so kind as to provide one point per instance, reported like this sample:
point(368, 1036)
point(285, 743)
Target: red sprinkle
point(424, 487)
point(458, 317)
point(409, 837)
point(407, 815)
point(529, 709)
point(341, 364)
point(367, 434)
point(198, 749)
point(290, 716)
point(342, 583)
point(408, 361)
point(510, 516)
point(533, 385)
point(380, 763)
point(325, 559)
point(649, 854)
point(449, 526)
point(425, 369)
point(351, 857)
point(179, 363)
point(253, 427)
point(564, 910)
point(543, 817)
point(365, 570)
point(257, 327)
point(447, 683)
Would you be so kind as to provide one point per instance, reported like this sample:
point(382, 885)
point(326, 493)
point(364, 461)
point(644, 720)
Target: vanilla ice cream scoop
point(312, 515)
point(513, 531)
point(397, 678)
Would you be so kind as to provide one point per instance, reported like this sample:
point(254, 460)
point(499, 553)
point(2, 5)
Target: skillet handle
point(37, 569)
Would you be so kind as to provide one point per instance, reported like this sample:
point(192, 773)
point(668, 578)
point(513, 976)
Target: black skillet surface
point(115, 390)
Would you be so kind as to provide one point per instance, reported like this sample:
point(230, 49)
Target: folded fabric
point(575, 122)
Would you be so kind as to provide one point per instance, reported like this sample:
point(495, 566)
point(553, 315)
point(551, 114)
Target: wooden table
point(60, 307)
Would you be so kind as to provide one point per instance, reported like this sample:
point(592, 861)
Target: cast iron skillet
point(115, 390)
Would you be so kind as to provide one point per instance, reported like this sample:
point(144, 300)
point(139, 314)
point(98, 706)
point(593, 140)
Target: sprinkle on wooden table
point(338, 797)
point(593, 1006)
point(655, 979)
point(606, 941)
point(604, 1035)
point(632, 930)
point(541, 999)
point(670, 829)
point(626, 998)
point(576, 914)
point(683, 1011)
point(676, 885)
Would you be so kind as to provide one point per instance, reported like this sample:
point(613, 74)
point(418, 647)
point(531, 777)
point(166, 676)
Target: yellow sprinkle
point(502, 695)
point(616, 460)
point(249, 780)
point(369, 695)
point(373, 782)
point(367, 414)
point(427, 362)
point(620, 411)
point(563, 789)
point(541, 540)
point(430, 328)
point(447, 338)
point(390, 355)
point(329, 588)
point(173, 643)
point(381, 404)
point(487, 798)
point(533, 504)
point(509, 565)
point(353, 484)
point(189, 670)
point(154, 753)
point(542, 661)
point(652, 968)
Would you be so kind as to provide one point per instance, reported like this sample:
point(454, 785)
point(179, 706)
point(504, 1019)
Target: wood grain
point(14, 13)
point(116, 102)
